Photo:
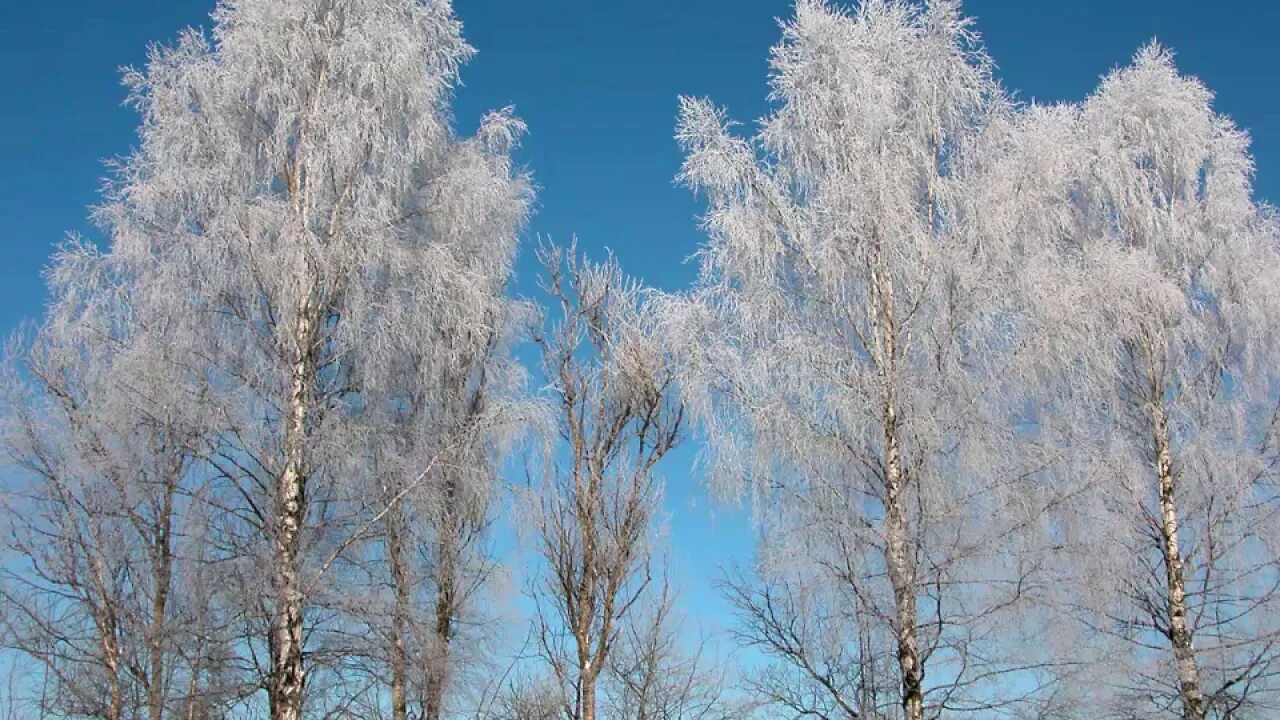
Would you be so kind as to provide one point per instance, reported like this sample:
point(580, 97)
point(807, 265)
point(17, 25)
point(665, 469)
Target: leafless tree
point(824, 662)
point(527, 699)
point(595, 515)
point(657, 673)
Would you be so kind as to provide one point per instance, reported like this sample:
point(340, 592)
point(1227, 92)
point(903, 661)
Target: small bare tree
point(596, 508)
point(655, 673)
point(526, 699)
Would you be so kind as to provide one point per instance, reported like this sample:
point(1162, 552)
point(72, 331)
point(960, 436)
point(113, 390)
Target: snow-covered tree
point(300, 210)
point(1156, 291)
point(102, 513)
point(437, 421)
point(596, 512)
point(844, 345)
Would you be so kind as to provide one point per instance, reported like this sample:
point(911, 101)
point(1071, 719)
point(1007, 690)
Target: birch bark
point(1180, 635)
point(287, 673)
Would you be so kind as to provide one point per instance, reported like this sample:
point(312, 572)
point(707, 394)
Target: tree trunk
point(115, 692)
point(899, 553)
point(287, 673)
point(163, 578)
point(437, 670)
point(446, 607)
point(108, 627)
point(400, 615)
point(902, 576)
point(1179, 633)
point(868, 694)
point(586, 499)
point(159, 611)
point(586, 695)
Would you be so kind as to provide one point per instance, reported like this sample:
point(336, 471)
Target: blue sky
point(597, 82)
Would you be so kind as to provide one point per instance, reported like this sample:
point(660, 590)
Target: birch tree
point(596, 517)
point(101, 515)
point(1159, 301)
point(439, 418)
point(841, 346)
point(293, 205)
point(656, 672)
point(529, 700)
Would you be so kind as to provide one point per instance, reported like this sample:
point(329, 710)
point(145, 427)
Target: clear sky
point(597, 82)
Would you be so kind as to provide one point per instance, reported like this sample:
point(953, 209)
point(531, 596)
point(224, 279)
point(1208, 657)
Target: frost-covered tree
point(844, 344)
point(298, 207)
point(1157, 290)
point(102, 513)
point(453, 424)
point(596, 511)
point(437, 421)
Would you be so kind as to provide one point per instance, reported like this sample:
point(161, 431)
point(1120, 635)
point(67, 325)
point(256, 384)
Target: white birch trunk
point(287, 674)
point(899, 553)
point(1179, 633)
